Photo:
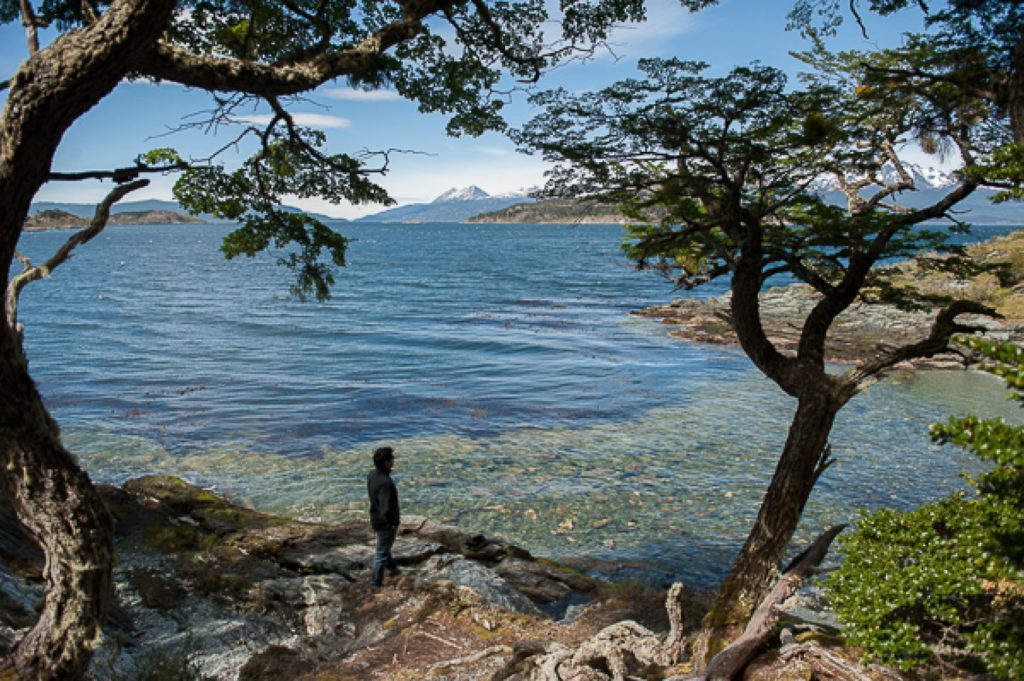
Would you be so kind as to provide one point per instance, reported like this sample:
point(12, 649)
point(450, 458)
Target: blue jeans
point(382, 558)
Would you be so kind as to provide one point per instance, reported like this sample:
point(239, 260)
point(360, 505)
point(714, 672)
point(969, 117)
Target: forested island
point(59, 219)
point(555, 211)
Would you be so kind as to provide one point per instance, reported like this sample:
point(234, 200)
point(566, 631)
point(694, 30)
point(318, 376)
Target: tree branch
point(746, 316)
point(937, 341)
point(118, 175)
point(89, 13)
point(496, 35)
point(969, 87)
point(31, 22)
point(173, 63)
point(33, 273)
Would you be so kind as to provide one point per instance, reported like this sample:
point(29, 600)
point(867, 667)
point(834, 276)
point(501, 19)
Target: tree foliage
point(721, 177)
point(458, 58)
point(704, 164)
point(941, 586)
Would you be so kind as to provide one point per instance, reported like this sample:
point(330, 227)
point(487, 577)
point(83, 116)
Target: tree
point(940, 587)
point(974, 47)
point(240, 51)
point(719, 174)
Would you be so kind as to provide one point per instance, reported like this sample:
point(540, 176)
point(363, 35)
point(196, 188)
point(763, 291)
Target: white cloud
point(311, 120)
point(667, 21)
point(356, 95)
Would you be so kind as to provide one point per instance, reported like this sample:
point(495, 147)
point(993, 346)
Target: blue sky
point(140, 116)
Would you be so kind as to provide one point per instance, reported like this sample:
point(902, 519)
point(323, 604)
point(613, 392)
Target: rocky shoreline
point(208, 589)
point(859, 333)
point(864, 329)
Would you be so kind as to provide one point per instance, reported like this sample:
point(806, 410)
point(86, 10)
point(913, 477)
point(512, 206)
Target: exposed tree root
point(623, 648)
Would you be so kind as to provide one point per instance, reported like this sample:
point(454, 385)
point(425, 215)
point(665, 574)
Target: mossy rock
point(216, 513)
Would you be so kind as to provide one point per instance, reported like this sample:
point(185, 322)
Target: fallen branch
point(731, 661)
point(827, 665)
point(616, 648)
point(440, 640)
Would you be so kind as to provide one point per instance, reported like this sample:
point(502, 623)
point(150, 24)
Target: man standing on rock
point(384, 514)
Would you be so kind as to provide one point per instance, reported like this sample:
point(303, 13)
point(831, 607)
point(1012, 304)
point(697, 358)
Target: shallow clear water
point(499, 360)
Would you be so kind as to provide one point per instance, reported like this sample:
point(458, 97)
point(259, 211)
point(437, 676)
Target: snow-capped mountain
point(454, 205)
point(924, 178)
point(470, 193)
point(521, 193)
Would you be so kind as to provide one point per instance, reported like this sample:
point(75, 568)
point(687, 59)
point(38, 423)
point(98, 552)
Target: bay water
point(502, 363)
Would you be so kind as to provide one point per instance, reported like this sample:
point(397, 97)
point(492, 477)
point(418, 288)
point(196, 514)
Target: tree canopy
point(457, 58)
point(722, 177)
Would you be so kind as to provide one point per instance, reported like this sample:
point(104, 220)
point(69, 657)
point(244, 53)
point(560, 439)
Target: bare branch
point(475, 657)
point(233, 143)
point(33, 273)
point(860, 21)
point(22, 259)
point(726, 664)
point(118, 175)
point(905, 182)
point(31, 22)
point(89, 13)
point(937, 341)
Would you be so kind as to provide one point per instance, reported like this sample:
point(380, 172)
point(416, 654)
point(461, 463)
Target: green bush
point(941, 588)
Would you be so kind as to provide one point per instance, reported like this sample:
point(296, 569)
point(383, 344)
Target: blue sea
point(502, 363)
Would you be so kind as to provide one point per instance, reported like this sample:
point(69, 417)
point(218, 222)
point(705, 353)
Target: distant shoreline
point(51, 220)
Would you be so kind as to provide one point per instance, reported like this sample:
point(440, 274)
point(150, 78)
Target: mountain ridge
point(53, 218)
point(454, 205)
point(930, 185)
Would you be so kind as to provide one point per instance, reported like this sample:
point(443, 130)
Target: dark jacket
point(383, 500)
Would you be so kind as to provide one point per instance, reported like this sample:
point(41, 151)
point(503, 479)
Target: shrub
point(941, 587)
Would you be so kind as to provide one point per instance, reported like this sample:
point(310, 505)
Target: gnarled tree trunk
point(51, 495)
point(756, 568)
point(53, 498)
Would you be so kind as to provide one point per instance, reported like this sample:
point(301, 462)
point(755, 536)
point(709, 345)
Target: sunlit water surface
point(500, 361)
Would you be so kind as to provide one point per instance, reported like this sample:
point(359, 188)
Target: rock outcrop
point(857, 334)
point(864, 329)
point(208, 589)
